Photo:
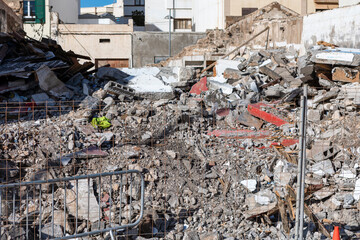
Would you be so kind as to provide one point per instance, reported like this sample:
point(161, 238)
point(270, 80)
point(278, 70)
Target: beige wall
point(85, 39)
point(234, 7)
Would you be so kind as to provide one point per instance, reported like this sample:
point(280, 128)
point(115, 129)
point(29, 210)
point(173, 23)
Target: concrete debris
point(218, 153)
point(49, 82)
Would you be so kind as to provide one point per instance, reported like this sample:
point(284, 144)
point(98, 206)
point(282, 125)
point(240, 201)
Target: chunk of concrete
point(250, 184)
point(232, 74)
point(227, 89)
point(118, 89)
point(314, 115)
point(42, 99)
point(49, 82)
point(326, 96)
point(325, 153)
point(110, 73)
point(85, 195)
point(322, 168)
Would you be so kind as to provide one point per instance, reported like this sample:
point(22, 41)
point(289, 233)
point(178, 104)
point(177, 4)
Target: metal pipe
point(1, 210)
point(52, 209)
point(65, 208)
point(27, 215)
point(300, 177)
point(302, 190)
point(169, 32)
point(40, 211)
point(77, 205)
point(14, 209)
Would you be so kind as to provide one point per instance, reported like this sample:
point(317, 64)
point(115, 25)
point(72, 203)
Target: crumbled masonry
point(219, 154)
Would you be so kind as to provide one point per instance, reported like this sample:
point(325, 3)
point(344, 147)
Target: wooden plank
point(290, 207)
point(310, 214)
point(283, 214)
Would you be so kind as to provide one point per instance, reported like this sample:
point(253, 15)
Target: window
point(182, 23)
point(158, 59)
point(139, 2)
point(246, 11)
point(29, 10)
point(104, 40)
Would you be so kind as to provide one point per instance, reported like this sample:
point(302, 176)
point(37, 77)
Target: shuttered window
point(184, 23)
point(40, 11)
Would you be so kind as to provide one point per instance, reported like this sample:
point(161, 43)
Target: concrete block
point(314, 115)
point(250, 184)
point(232, 74)
point(322, 168)
point(118, 89)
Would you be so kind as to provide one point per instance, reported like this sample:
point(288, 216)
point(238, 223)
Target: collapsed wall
point(285, 28)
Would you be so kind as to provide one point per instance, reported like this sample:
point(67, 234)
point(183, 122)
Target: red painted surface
point(289, 142)
point(199, 87)
point(254, 109)
point(239, 134)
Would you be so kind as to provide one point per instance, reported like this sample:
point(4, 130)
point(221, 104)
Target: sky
point(95, 3)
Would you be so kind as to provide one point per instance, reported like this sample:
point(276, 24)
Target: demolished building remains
point(174, 152)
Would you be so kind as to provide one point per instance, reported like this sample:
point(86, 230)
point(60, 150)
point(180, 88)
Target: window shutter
point(40, 11)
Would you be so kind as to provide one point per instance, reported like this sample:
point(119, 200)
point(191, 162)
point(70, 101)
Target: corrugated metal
point(13, 67)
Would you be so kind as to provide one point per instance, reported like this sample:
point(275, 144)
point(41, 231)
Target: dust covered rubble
point(215, 164)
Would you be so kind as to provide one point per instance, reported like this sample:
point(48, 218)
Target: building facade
point(244, 7)
point(200, 15)
point(121, 11)
point(184, 15)
point(59, 20)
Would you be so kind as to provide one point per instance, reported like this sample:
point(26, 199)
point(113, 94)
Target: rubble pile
point(219, 156)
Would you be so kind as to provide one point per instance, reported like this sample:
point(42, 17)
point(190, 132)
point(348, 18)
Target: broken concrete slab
point(49, 82)
point(86, 200)
point(260, 210)
point(250, 184)
point(247, 119)
point(326, 95)
point(227, 89)
point(322, 152)
point(232, 74)
point(336, 56)
point(356, 193)
point(42, 99)
point(112, 74)
point(90, 103)
point(322, 168)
